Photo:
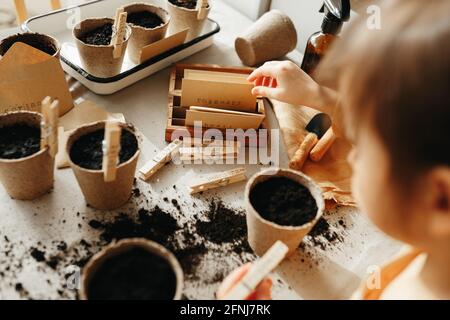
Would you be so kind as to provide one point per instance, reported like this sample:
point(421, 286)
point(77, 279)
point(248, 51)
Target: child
point(393, 89)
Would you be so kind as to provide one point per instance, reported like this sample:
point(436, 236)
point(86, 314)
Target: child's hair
point(397, 79)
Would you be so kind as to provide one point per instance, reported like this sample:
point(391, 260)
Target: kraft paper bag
point(332, 173)
point(27, 76)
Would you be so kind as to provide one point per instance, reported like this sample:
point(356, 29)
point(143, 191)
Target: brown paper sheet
point(333, 172)
point(27, 76)
point(83, 113)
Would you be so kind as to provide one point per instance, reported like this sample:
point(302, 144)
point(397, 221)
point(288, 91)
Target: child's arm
point(293, 86)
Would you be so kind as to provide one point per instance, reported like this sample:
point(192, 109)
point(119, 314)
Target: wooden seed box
point(176, 114)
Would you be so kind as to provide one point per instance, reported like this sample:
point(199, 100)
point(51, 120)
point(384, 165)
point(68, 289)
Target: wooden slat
point(55, 4)
point(21, 10)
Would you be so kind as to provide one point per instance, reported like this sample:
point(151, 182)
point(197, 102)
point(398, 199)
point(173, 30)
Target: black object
point(319, 124)
point(336, 13)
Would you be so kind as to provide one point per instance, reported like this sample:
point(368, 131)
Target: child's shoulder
point(398, 279)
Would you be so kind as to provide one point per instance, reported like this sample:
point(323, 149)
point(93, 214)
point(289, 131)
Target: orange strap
point(389, 273)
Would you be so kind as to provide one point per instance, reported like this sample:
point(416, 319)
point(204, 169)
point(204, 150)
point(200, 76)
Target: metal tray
point(59, 25)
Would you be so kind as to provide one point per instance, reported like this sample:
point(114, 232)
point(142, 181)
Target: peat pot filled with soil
point(84, 147)
point(148, 24)
point(132, 269)
point(183, 15)
point(93, 39)
point(26, 170)
point(283, 205)
point(42, 42)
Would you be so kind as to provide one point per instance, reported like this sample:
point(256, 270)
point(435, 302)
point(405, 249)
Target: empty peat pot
point(183, 15)
point(283, 205)
point(132, 269)
point(148, 23)
point(270, 37)
point(39, 41)
point(26, 170)
point(93, 39)
point(85, 154)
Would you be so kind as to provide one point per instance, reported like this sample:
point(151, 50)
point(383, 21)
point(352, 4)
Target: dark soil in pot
point(87, 151)
point(145, 19)
point(284, 202)
point(100, 36)
point(19, 141)
point(135, 274)
point(32, 40)
point(188, 4)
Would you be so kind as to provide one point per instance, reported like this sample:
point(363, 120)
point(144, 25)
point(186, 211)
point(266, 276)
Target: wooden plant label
point(259, 270)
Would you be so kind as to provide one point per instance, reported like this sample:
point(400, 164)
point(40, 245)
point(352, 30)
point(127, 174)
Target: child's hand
point(262, 292)
point(292, 85)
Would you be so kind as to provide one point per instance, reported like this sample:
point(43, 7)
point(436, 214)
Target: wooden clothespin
point(21, 10)
point(55, 4)
point(189, 158)
point(119, 11)
point(120, 24)
point(202, 6)
point(209, 149)
point(220, 180)
point(209, 152)
point(196, 142)
point(111, 149)
point(258, 271)
point(49, 125)
point(151, 167)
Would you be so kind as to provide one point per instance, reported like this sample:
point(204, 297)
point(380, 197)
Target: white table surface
point(312, 273)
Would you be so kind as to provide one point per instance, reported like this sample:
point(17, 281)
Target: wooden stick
point(151, 167)
point(49, 126)
point(111, 149)
point(55, 4)
point(202, 6)
point(323, 145)
point(21, 10)
point(258, 271)
point(120, 25)
point(300, 156)
point(220, 180)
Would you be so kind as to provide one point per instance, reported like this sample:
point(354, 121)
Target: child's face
point(376, 194)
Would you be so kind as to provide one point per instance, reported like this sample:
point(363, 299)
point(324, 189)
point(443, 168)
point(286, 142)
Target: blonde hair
point(397, 79)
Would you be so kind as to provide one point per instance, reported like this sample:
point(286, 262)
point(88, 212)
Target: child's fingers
point(232, 279)
point(259, 81)
point(264, 71)
point(273, 83)
point(266, 81)
point(263, 291)
point(265, 92)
